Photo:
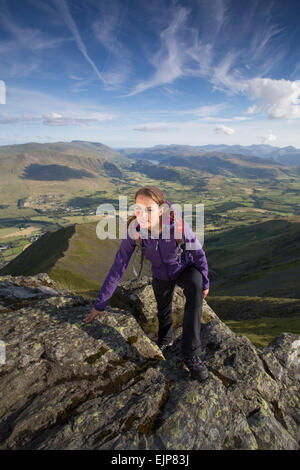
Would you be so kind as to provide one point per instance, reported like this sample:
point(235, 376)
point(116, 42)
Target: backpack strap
point(181, 239)
point(139, 245)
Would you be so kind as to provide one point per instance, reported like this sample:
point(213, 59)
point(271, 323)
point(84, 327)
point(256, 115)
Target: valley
point(251, 215)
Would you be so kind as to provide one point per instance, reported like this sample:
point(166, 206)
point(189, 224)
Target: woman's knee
point(195, 279)
point(193, 290)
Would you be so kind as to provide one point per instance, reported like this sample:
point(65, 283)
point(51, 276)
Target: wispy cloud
point(55, 119)
point(32, 39)
point(225, 77)
point(169, 91)
point(15, 119)
point(151, 128)
point(107, 27)
point(48, 109)
point(221, 119)
point(63, 9)
point(202, 111)
point(21, 54)
point(79, 84)
point(162, 126)
point(183, 54)
point(176, 51)
point(188, 48)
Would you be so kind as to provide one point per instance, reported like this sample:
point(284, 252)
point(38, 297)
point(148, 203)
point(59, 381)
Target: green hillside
point(261, 259)
point(50, 193)
point(78, 260)
point(70, 167)
point(74, 257)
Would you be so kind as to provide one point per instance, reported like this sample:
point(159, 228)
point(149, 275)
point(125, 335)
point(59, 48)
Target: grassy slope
point(41, 255)
point(73, 256)
point(240, 259)
point(259, 260)
point(263, 330)
point(78, 260)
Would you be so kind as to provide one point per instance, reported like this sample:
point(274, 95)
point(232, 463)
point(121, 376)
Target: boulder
point(66, 384)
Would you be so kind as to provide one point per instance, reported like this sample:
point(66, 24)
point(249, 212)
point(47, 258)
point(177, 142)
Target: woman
point(168, 269)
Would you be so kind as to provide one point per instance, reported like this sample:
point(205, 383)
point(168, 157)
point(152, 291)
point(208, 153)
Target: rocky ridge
point(106, 385)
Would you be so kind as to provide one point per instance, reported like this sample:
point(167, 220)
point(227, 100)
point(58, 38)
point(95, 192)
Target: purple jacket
point(161, 253)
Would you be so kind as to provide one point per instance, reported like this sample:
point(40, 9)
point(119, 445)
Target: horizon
point(150, 146)
point(137, 74)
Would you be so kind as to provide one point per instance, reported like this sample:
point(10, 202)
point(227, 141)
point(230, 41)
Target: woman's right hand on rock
point(94, 313)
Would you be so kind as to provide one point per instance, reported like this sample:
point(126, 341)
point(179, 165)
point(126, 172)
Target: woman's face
point(147, 212)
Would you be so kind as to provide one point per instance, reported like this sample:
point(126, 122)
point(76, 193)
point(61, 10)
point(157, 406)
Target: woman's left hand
point(205, 292)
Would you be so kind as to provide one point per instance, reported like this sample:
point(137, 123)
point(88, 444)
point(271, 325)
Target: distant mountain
point(70, 166)
point(286, 155)
point(76, 147)
point(213, 162)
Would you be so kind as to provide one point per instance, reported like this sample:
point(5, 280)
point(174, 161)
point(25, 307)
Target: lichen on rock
point(106, 385)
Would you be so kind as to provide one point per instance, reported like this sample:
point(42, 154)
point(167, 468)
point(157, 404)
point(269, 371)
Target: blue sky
point(134, 73)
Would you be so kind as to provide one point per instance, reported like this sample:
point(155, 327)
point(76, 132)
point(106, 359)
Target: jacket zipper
point(157, 245)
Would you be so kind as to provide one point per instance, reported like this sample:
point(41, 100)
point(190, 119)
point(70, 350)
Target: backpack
point(139, 246)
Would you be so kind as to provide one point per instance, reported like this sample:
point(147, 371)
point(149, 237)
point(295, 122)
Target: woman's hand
point(92, 315)
point(205, 292)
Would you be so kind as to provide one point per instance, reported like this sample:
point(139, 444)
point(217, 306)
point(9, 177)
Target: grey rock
point(106, 385)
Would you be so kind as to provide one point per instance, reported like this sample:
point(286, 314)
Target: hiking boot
point(196, 367)
point(162, 344)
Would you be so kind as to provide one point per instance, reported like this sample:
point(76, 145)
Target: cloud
point(182, 52)
point(224, 130)
point(277, 98)
point(117, 65)
point(220, 119)
point(178, 126)
point(62, 7)
point(223, 79)
point(15, 119)
point(79, 83)
point(168, 61)
point(22, 52)
point(202, 111)
point(150, 128)
point(32, 39)
point(56, 119)
point(268, 139)
point(179, 49)
point(169, 91)
point(41, 103)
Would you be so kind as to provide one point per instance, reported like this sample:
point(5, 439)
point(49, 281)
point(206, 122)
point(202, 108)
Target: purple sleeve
point(115, 273)
point(198, 254)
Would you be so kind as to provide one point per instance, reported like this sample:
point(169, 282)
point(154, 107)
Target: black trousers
point(190, 279)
